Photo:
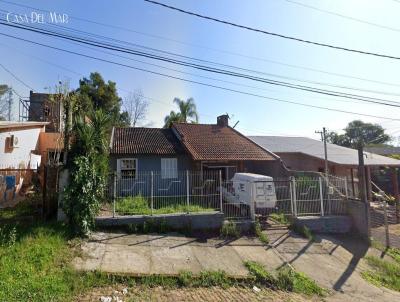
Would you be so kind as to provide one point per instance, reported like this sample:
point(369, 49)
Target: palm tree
point(187, 113)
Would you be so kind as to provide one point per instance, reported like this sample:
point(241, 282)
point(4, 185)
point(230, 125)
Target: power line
point(275, 34)
point(206, 68)
point(202, 83)
point(15, 77)
point(213, 49)
point(343, 16)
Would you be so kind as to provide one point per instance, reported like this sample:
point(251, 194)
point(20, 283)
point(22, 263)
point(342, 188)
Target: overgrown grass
point(285, 279)
point(139, 205)
point(258, 231)
point(230, 230)
point(280, 218)
point(22, 209)
point(303, 231)
point(383, 273)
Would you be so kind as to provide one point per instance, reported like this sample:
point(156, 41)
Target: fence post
point(114, 191)
point(152, 193)
point(187, 190)
point(321, 195)
point(386, 224)
point(220, 192)
point(294, 196)
point(346, 188)
point(291, 196)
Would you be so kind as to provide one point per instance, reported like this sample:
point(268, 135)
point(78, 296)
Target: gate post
point(294, 196)
point(152, 193)
point(346, 188)
point(386, 224)
point(321, 195)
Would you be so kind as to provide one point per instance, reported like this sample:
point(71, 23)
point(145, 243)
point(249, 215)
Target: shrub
point(83, 195)
point(230, 230)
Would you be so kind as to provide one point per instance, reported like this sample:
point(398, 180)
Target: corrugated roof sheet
point(213, 142)
point(315, 148)
point(145, 141)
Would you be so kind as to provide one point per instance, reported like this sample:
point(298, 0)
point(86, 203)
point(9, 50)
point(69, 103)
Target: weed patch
point(286, 279)
point(303, 231)
point(258, 231)
point(280, 218)
point(230, 230)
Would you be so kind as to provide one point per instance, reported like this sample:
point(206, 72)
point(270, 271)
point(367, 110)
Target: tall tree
point(136, 107)
point(95, 94)
point(371, 134)
point(187, 113)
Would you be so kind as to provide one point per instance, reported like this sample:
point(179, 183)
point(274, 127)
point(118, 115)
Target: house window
point(169, 168)
point(127, 167)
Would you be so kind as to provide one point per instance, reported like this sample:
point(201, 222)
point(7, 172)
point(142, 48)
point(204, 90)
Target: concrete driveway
point(169, 254)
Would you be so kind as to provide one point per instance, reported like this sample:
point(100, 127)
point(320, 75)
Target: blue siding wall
point(152, 162)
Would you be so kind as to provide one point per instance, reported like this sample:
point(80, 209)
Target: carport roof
point(315, 148)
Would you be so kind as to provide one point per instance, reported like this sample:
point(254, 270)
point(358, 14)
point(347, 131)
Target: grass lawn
point(383, 272)
point(139, 205)
point(34, 266)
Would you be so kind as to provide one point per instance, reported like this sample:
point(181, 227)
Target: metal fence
point(385, 225)
point(153, 193)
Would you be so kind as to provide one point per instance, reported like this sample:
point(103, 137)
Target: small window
point(127, 167)
point(169, 168)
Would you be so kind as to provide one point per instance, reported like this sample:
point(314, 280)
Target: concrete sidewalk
point(334, 262)
point(169, 254)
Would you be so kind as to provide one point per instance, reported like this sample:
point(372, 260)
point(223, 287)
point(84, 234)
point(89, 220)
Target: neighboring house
point(19, 147)
point(306, 154)
point(194, 147)
point(45, 108)
point(24, 147)
point(384, 150)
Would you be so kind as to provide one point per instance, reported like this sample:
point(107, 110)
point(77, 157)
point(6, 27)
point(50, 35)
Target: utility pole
point(362, 182)
point(323, 138)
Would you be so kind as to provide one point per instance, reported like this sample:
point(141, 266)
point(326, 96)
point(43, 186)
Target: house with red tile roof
point(185, 146)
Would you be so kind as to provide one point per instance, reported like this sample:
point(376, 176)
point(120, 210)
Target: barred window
point(127, 167)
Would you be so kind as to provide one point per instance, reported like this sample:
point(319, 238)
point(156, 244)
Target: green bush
point(230, 230)
point(83, 195)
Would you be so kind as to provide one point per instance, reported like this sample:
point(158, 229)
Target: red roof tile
point(145, 141)
point(213, 142)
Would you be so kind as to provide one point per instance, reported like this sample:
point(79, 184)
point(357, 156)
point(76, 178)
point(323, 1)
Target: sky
point(144, 24)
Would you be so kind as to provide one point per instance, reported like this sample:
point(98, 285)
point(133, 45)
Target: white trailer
point(251, 188)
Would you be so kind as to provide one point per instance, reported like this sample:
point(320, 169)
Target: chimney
point(223, 120)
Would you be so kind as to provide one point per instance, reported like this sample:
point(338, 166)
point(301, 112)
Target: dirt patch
point(211, 294)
